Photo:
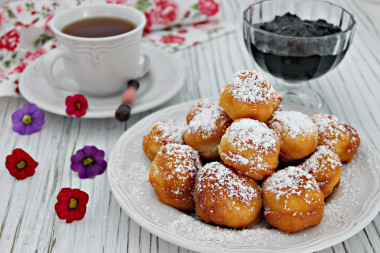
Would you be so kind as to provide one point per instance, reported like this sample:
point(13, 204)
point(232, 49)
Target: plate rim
point(164, 97)
point(354, 226)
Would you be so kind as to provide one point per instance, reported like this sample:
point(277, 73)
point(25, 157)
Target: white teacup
point(96, 66)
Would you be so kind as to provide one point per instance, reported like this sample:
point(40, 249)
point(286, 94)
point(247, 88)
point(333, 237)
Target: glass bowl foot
point(307, 98)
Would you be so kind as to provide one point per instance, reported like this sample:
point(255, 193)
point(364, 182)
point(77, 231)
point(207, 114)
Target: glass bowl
point(297, 59)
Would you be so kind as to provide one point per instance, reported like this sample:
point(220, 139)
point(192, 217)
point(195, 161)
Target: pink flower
point(116, 1)
point(208, 7)
point(46, 25)
point(19, 8)
point(170, 39)
point(165, 12)
point(206, 24)
point(3, 17)
point(10, 40)
point(3, 73)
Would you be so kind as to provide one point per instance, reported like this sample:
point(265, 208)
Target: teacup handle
point(48, 64)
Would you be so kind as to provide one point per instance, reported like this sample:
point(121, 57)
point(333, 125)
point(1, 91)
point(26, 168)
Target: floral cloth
point(171, 24)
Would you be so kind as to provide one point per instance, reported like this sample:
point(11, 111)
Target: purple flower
point(28, 119)
point(88, 162)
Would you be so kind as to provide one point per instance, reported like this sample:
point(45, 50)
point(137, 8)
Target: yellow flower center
point(21, 165)
point(27, 119)
point(78, 105)
point(73, 203)
point(88, 161)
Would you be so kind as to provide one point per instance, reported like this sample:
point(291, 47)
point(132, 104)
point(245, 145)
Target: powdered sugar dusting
point(347, 208)
point(290, 181)
point(250, 134)
point(181, 160)
point(293, 123)
point(169, 131)
point(206, 119)
point(322, 158)
point(224, 180)
point(250, 86)
point(332, 129)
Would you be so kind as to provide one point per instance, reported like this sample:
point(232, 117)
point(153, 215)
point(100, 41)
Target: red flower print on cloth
point(29, 57)
point(71, 204)
point(116, 1)
point(206, 24)
point(149, 21)
point(19, 8)
point(208, 7)
point(10, 40)
point(165, 12)
point(76, 105)
point(3, 17)
point(46, 24)
point(20, 164)
point(182, 31)
point(170, 39)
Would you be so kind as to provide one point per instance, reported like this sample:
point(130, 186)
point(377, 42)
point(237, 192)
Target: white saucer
point(164, 79)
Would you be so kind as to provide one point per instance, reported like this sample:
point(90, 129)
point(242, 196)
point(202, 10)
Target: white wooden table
point(27, 217)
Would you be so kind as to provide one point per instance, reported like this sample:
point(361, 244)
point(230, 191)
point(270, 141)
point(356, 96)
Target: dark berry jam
point(289, 56)
point(292, 25)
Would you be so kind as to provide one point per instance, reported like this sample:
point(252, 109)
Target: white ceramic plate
point(349, 209)
point(164, 79)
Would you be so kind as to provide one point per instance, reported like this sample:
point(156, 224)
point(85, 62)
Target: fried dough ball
point(292, 200)
point(248, 94)
point(164, 132)
point(250, 147)
point(225, 197)
point(326, 168)
point(207, 124)
point(297, 132)
point(336, 134)
point(173, 173)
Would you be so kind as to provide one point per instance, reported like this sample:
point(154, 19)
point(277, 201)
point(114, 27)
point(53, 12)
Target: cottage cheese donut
point(173, 173)
point(164, 132)
point(326, 168)
point(334, 133)
point(207, 124)
point(292, 200)
point(248, 94)
point(225, 197)
point(250, 147)
point(297, 132)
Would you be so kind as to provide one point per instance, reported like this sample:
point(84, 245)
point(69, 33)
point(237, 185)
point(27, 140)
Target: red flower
point(182, 31)
point(172, 39)
point(10, 40)
point(165, 12)
point(149, 22)
point(71, 204)
point(28, 58)
point(208, 7)
point(33, 12)
point(76, 105)
point(187, 13)
point(20, 164)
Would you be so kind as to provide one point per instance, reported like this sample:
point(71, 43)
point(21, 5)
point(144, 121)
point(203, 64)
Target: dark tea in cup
point(98, 27)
